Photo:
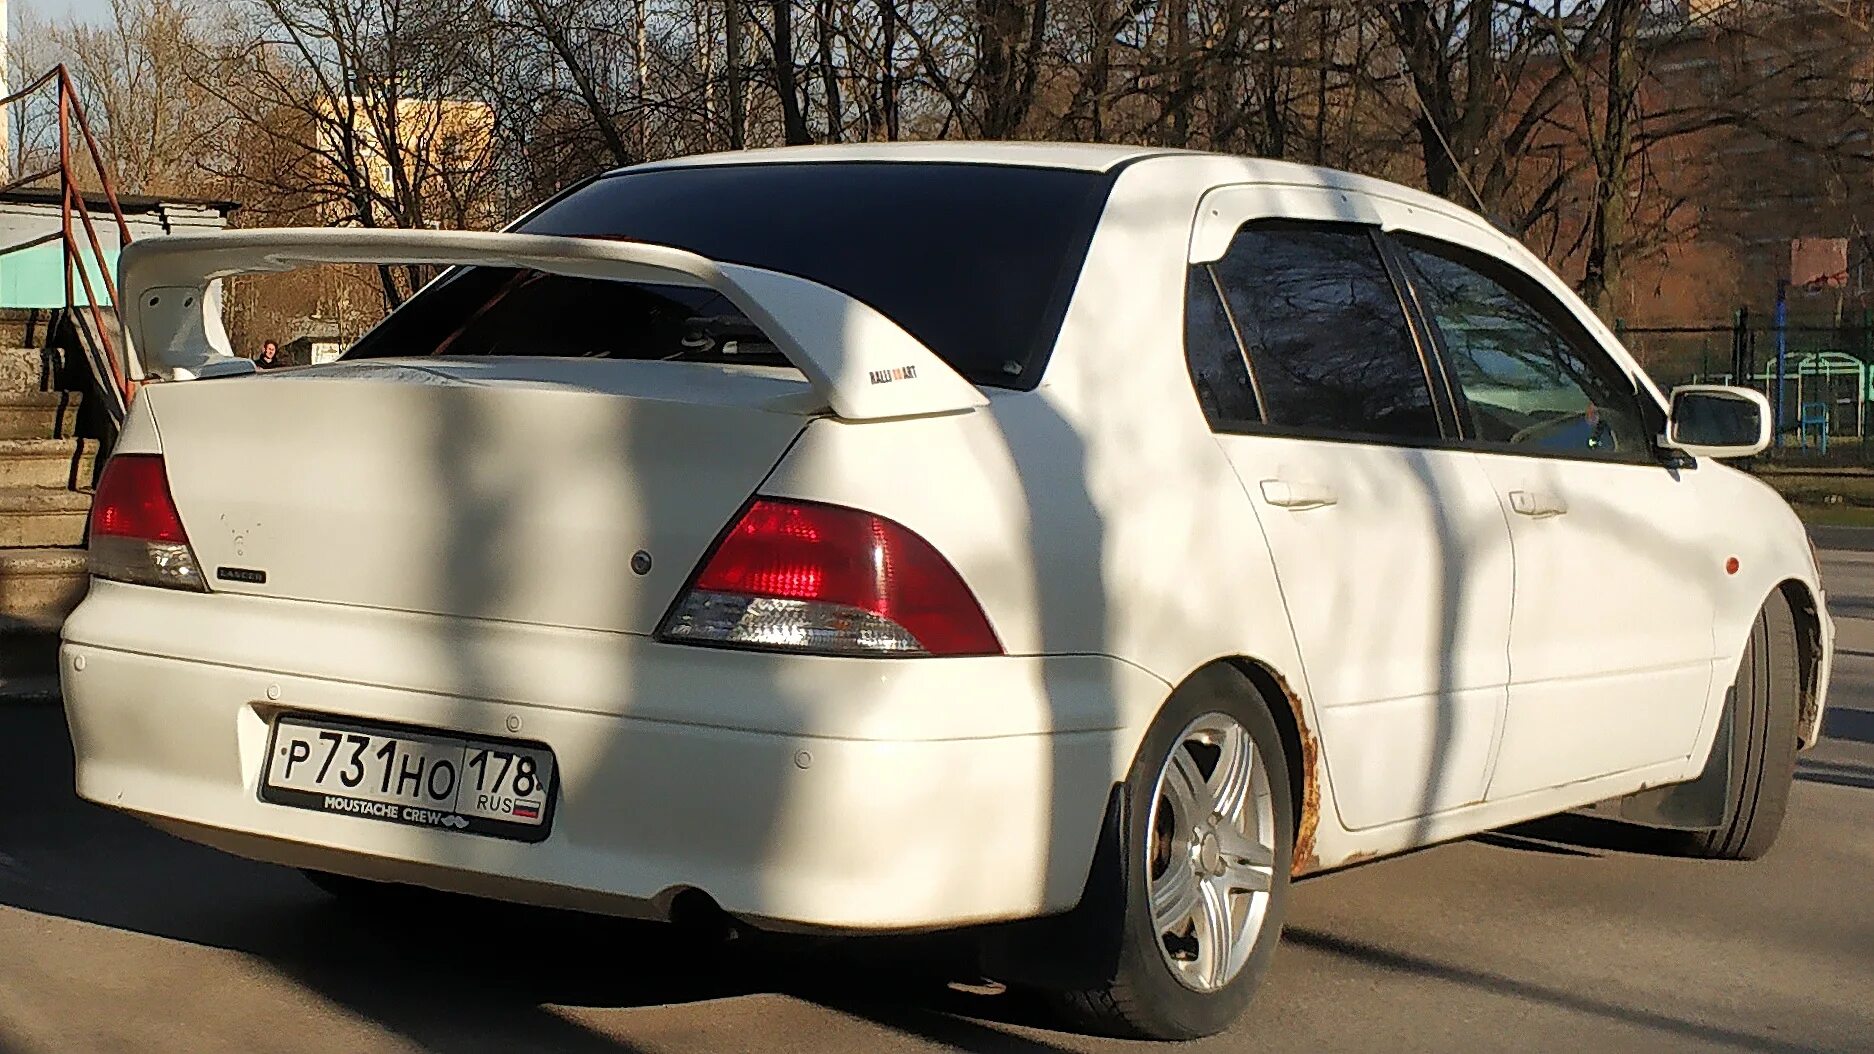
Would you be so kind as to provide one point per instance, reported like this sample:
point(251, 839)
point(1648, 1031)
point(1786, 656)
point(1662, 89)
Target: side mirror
point(1713, 420)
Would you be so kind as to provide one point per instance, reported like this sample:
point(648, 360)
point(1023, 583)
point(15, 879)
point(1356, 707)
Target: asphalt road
point(1551, 937)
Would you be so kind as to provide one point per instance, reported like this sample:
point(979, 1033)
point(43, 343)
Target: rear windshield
point(976, 261)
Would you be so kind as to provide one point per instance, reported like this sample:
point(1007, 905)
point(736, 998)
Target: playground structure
point(1821, 394)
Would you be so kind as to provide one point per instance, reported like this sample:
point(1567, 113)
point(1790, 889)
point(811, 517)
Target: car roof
point(1085, 157)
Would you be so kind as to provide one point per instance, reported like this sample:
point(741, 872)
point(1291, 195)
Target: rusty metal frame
point(109, 373)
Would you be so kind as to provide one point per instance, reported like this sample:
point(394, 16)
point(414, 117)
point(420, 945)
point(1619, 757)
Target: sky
point(88, 9)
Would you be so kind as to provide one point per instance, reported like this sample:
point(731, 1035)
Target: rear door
point(1392, 555)
point(1611, 642)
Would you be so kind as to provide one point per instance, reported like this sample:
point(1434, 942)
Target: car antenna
point(1456, 165)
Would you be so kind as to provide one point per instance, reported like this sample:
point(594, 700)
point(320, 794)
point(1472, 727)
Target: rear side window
point(1532, 378)
point(1330, 351)
point(1215, 357)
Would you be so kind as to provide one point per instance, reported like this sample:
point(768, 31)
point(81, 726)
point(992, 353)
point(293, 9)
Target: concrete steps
point(46, 474)
point(48, 462)
point(25, 370)
point(37, 517)
point(38, 415)
point(39, 586)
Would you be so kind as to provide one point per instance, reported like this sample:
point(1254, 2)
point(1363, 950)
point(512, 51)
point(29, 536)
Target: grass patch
point(1835, 515)
point(1825, 489)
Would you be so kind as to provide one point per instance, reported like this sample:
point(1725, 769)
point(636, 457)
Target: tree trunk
point(786, 83)
point(1612, 152)
point(555, 33)
point(1008, 38)
point(829, 76)
point(1099, 70)
point(732, 67)
point(888, 67)
point(1178, 58)
point(1323, 57)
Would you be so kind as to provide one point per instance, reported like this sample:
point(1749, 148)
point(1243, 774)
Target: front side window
point(1330, 351)
point(1527, 381)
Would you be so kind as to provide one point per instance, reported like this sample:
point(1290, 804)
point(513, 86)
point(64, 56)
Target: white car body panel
point(1115, 544)
point(1612, 642)
point(485, 490)
point(1408, 636)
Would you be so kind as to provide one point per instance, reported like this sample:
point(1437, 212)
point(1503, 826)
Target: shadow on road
point(1837, 773)
point(1845, 723)
point(447, 972)
point(1574, 834)
point(1373, 955)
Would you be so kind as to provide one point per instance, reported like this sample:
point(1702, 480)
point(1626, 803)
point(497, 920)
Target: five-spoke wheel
point(1212, 852)
point(1196, 882)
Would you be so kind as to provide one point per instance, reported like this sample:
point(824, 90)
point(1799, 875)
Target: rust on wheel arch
point(1308, 811)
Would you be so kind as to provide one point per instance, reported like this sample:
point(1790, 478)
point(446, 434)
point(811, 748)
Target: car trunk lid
point(554, 492)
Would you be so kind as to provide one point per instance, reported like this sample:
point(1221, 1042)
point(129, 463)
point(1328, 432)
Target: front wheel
point(1765, 700)
point(1207, 838)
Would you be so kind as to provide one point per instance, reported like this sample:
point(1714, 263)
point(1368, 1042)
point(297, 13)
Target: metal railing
point(104, 358)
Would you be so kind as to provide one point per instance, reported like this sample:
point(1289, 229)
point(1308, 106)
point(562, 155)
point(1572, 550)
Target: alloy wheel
point(1211, 854)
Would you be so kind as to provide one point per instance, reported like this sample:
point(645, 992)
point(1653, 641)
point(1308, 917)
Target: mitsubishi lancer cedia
point(1071, 544)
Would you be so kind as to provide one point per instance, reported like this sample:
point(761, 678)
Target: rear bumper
point(853, 822)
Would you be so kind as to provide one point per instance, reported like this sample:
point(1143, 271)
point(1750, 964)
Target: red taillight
point(136, 533)
point(133, 501)
point(822, 578)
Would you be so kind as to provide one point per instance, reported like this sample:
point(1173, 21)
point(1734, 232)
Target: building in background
point(34, 278)
point(1737, 202)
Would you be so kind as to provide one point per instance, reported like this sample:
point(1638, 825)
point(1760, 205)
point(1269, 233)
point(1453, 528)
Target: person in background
point(269, 357)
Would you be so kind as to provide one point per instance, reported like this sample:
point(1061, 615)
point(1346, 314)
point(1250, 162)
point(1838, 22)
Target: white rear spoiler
point(863, 364)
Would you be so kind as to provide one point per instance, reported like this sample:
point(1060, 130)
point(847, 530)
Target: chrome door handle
point(1294, 494)
point(1537, 503)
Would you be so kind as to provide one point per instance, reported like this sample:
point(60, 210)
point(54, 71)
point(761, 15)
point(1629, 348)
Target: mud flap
point(1080, 947)
point(1698, 805)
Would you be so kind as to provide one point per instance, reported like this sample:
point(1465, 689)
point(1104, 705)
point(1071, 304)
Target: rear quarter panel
point(1096, 514)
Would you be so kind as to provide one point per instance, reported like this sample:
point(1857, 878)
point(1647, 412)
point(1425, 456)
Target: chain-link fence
point(1822, 388)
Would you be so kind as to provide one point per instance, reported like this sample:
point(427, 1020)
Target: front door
point(1611, 642)
point(1392, 556)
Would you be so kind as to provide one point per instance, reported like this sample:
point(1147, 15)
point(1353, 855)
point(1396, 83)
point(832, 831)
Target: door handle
point(1295, 494)
point(1537, 503)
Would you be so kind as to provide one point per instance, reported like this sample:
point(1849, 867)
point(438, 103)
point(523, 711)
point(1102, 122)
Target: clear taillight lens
point(800, 576)
point(136, 533)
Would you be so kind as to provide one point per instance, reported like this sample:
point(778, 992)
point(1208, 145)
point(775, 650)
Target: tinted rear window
point(976, 261)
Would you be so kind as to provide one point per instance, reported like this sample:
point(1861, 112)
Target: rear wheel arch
point(1298, 745)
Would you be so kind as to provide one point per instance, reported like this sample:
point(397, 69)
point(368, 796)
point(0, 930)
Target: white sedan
point(1075, 543)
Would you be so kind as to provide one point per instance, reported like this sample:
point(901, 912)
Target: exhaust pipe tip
point(697, 913)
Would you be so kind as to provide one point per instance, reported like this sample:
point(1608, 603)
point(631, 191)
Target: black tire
point(1765, 700)
point(1142, 998)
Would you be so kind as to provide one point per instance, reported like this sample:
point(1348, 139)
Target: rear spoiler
point(863, 364)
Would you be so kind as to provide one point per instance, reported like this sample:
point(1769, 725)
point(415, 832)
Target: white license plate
point(429, 779)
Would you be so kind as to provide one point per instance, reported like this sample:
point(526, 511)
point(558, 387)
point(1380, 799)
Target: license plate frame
point(450, 819)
